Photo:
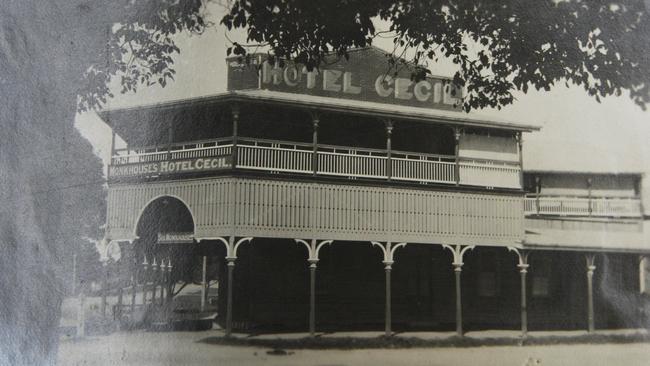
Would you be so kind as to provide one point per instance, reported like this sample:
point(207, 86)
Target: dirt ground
point(186, 348)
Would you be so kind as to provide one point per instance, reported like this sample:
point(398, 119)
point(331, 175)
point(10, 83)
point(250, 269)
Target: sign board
point(169, 167)
point(365, 76)
point(175, 238)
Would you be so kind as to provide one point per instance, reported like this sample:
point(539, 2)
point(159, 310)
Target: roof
point(120, 116)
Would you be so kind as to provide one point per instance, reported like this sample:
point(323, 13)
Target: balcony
point(582, 206)
point(336, 161)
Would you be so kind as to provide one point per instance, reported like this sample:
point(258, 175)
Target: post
point(642, 277)
point(521, 158)
point(74, 274)
point(523, 269)
point(388, 320)
point(170, 283)
point(161, 281)
point(389, 133)
point(458, 252)
point(459, 306)
point(312, 299)
point(144, 281)
point(313, 248)
point(204, 267)
point(134, 285)
point(523, 266)
point(235, 126)
point(589, 196)
point(170, 138)
point(389, 252)
point(231, 267)
point(104, 287)
point(537, 191)
point(456, 154)
point(154, 282)
point(81, 315)
point(590, 292)
point(315, 118)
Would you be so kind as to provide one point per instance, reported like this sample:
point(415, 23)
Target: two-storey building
point(410, 211)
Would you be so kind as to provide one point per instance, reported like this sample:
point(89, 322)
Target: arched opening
point(165, 220)
point(165, 233)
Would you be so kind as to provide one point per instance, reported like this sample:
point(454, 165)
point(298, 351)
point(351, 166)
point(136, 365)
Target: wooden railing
point(188, 150)
point(582, 206)
point(290, 157)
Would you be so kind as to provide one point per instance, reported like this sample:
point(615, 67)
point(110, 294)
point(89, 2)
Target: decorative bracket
point(591, 259)
point(458, 251)
point(313, 249)
point(389, 124)
point(232, 246)
point(523, 258)
point(315, 117)
point(389, 252)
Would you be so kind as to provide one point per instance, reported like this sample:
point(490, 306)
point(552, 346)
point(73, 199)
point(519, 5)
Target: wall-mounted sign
point(366, 76)
point(175, 238)
point(169, 167)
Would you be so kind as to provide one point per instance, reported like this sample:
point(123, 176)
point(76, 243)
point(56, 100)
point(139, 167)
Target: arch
point(138, 218)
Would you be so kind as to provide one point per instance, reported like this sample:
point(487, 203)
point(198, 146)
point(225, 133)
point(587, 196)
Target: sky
point(577, 133)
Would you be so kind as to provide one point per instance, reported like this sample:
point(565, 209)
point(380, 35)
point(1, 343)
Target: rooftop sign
point(366, 76)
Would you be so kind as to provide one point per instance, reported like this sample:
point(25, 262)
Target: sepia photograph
point(325, 183)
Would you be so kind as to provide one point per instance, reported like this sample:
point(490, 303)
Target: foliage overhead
point(139, 47)
point(498, 46)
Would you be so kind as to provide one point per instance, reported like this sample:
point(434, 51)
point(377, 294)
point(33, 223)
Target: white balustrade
point(489, 174)
point(583, 206)
point(351, 164)
point(290, 157)
point(422, 168)
point(274, 158)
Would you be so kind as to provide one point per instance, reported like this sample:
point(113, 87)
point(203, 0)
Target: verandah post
point(315, 119)
point(389, 133)
point(170, 138)
point(312, 299)
point(590, 258)
point(523, 266)
point(458, 252)
point(589, 198)
point(203, 277)
point(231, 268)
point(520, 149)
point(313, 248)
point(537, 191)
point(388, 319)
point(458, 267)
point(235, 127)
point(389, 251)
point(456, 155)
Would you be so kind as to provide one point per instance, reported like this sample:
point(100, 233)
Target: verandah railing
point(351, 162)
point(582, 206)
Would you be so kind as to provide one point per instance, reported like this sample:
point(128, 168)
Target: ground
point(185, 348)
point(206, 348)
